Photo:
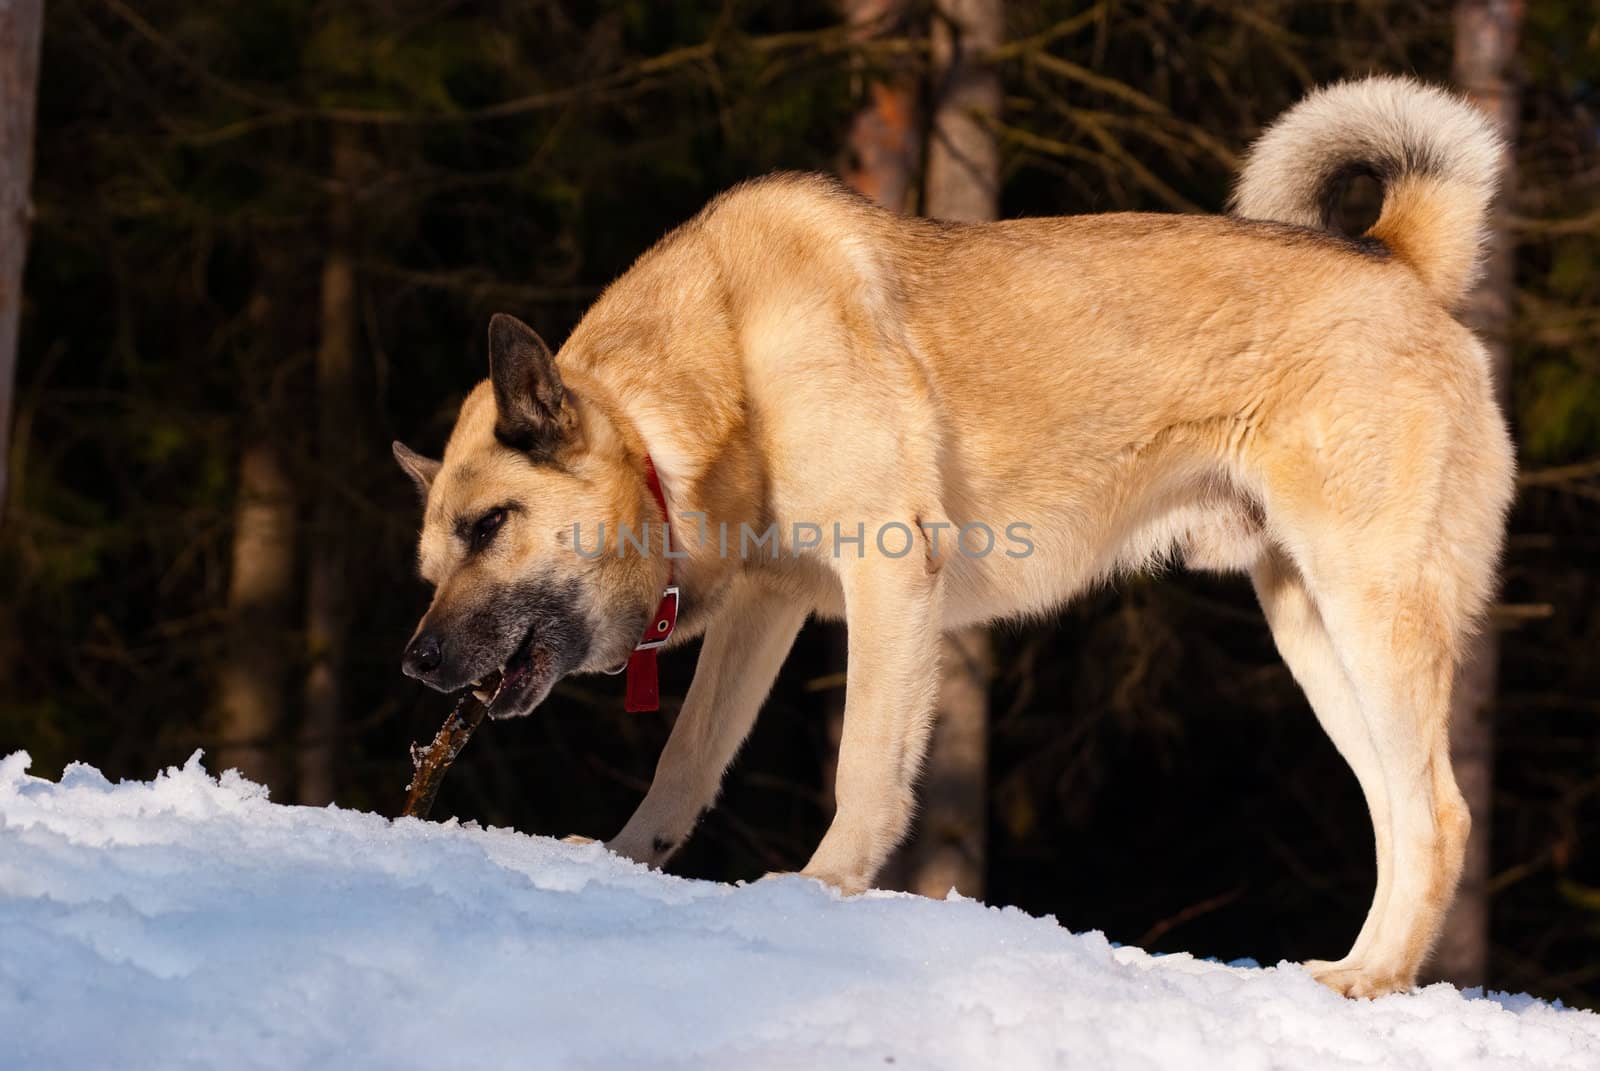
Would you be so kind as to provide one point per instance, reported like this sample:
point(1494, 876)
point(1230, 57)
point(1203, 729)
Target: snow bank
point(189, 922)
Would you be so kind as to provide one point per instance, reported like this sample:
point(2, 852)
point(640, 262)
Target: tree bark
point(883, 149)
point(1485, 49)
point(949, 849)
point(963, 154)
point(430, 764)
point(21, 26)
point(327, 610)
point(253, 682)
point(950, 845)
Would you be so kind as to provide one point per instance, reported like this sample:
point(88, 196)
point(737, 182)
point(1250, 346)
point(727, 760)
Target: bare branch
point(433, 762)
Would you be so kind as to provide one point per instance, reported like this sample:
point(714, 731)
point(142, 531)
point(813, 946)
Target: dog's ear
point(530, 401)
point(421, 469)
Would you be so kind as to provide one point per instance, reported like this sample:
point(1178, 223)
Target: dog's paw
point(779, 875)
point(1356, 980)
point(576, 839)
point(847, 884)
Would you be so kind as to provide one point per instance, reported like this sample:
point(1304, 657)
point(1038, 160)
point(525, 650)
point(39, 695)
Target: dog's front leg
point(743, 650)
point(892, 612)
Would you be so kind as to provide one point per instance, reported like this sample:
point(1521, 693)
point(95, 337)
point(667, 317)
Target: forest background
point(265, 239)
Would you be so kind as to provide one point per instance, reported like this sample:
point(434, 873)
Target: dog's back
point(1157, 366)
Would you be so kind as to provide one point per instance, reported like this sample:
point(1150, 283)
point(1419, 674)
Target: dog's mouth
point(539, 623)
point(522, 683)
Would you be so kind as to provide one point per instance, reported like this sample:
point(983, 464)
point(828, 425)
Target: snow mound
point(189, 922)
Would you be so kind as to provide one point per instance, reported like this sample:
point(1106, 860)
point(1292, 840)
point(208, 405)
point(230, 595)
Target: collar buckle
point(661, 625)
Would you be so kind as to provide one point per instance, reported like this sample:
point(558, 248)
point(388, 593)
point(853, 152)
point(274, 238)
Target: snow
point(190, 922)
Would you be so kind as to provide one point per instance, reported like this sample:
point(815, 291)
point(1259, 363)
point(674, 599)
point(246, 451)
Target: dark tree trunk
point(883, 145)
point(258, 659)
point(963, 154)
point(327, 610)
point(254, 677)
point(20, 29)
point(1485, 50)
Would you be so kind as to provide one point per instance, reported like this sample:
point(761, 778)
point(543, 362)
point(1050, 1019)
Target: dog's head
point(530, 473)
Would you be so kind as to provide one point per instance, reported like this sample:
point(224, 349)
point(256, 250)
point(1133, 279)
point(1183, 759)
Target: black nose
point(423, 656)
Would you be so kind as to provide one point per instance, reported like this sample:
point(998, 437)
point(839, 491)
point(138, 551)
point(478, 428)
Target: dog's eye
point(484, 531)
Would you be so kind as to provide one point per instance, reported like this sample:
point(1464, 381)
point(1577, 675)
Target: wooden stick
point(431, 763)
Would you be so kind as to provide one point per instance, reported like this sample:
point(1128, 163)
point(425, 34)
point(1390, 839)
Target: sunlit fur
point(1243, 395)
point(1439, 161)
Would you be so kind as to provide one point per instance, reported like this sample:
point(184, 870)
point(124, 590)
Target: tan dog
point(1096, 394)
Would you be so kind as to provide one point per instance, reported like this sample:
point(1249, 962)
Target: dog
point(861, 394)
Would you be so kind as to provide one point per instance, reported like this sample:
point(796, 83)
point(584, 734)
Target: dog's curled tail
point(1437, 157)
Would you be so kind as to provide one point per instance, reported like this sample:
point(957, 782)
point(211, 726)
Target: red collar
point(644, 685)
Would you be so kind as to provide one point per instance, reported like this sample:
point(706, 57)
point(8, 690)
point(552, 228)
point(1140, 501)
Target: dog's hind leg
point(743, 650)
point(1397, 538)
point(1307, 649)
point(1398, 644)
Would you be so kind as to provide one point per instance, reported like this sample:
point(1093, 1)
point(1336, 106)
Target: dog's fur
point(1243, 393)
